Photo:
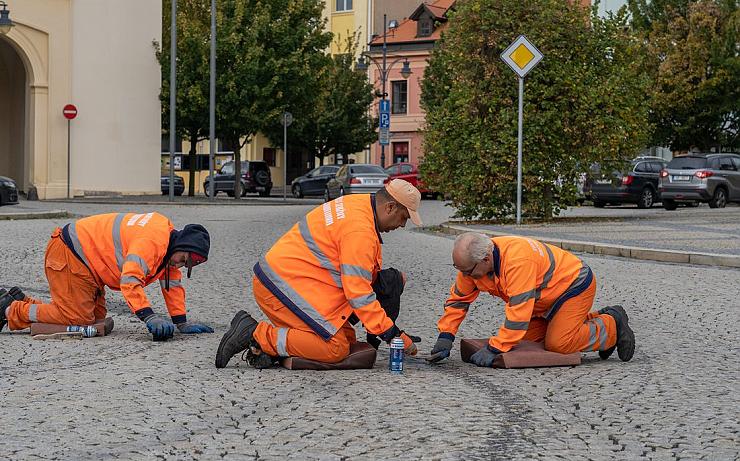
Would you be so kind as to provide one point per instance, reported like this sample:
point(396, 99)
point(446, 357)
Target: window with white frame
point(343, 5)
point(399, 97)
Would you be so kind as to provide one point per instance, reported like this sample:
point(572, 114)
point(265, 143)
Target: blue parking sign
point(385, 106)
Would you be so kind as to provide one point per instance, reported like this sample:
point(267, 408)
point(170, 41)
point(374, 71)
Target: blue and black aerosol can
point(395, 363)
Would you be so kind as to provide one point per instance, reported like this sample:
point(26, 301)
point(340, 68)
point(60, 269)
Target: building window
point(344, 5)
point(400, 152)
point(400, 95)
point(425, 27)
point(268, 155)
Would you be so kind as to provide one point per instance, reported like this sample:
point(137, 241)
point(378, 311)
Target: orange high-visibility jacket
point(530, 276)
point(323, 268)
point(126, 251)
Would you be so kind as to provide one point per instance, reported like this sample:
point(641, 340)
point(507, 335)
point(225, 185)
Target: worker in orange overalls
point(121, 251)
point(317, 275)
point(548, 292)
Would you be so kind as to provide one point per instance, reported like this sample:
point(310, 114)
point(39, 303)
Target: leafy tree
point(696, 98)
point(336, 120)
point(584, 103)
point(269, 52)
point(193, 29)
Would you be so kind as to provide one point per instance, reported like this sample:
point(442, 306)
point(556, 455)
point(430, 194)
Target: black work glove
point(485, 356)
point(160, 328)
point(442, 348)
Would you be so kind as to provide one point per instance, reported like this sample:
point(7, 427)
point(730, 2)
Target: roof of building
point(406, 32)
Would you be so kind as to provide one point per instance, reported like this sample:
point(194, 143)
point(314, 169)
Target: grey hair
point(477, 246)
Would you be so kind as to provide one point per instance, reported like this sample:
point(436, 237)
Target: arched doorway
point(13, 117)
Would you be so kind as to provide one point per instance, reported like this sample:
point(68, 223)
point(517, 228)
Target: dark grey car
point(8, 191)
point(360, 178)
point(710, 178)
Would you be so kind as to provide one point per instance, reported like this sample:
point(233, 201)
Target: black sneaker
point(237, 339)
point(625, 336)
point(5, 300)
point(17, 294)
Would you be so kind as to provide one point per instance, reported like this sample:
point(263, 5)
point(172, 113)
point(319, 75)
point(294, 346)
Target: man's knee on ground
point(560, 345)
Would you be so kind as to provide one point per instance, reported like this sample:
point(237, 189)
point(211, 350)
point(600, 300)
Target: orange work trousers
point(76, 299)
point(288, 335)
point(574, 328)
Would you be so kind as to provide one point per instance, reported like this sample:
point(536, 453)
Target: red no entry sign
point(69, 111)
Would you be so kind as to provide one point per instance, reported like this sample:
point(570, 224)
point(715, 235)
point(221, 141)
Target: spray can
point(395, 363)
point(87, 331)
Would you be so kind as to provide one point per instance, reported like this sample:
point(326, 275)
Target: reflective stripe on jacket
point(528, 275)
point(324, 266)
point(125, 251)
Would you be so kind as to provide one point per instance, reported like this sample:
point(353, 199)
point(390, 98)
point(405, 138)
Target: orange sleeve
point(357, 262)
point(520, 282)
point(174, 298)
point(462, 294)
point(141, 258)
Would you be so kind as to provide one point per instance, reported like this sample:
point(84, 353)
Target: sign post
point(287, 120)
point(384, 128)
point(70, 112)
point(522, 56)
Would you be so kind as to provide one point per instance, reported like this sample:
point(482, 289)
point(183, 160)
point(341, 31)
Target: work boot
point(237, 339)
point(17, 294)
point(625, 337)
point(5, 300)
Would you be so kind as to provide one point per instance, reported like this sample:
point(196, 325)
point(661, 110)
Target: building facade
point(97, 55)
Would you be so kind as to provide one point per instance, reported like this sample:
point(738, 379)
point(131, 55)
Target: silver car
point(357, 178)
point(710, 178)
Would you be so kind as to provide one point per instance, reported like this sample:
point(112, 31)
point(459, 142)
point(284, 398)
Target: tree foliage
point(695, 46)
point(336, 120)
point(584, 103)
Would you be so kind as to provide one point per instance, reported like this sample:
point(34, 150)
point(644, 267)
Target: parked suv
point(255, 177)
point(639, 184)
point(8, 191)
point(710, 178)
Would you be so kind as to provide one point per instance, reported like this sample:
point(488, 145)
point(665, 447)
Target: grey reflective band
point(282, 342)
point(314, 247)
point(458, 304)
point(296, 298)
point(33, 313)
point(140, 261)
point(117, 246)
point(173, 283)
point(130, 279)
point(603, 336)
point(591, 337)
point(548, 275)
point(351, 269)
point(522, 297)
point(362, 301)
point(76, 243)
point(516, 325)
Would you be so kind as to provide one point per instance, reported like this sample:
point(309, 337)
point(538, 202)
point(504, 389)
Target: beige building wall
point(98, 55)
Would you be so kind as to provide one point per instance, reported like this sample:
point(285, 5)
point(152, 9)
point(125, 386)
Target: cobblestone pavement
point(125, 397)
point(699, 229)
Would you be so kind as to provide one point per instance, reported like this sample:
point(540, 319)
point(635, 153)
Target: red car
point(407, 172)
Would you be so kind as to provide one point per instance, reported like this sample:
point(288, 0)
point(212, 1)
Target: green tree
point(269, 53)
point(193, 29)
point(336, 120)
point(696, 97)
point(584, 103)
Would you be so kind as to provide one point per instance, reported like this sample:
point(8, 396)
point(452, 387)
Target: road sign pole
point(212, 105)
point(285, 156)
point(519, 154)
point(173, 97)
point(69, 154)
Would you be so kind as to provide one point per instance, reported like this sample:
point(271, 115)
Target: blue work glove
point(160, 328)
point(442, 348)
point(485, 356)
point(193, 328)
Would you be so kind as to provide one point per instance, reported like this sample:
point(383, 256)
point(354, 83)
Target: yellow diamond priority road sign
point(521, 56)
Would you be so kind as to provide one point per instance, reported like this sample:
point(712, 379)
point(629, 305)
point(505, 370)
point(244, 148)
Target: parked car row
point(688, 180)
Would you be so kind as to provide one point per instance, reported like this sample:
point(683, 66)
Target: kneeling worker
point(548, 292)
point(124, 252)
point(317, 275)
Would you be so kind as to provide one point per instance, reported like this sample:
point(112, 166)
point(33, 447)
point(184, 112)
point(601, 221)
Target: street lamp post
point(384, 70)
point(212, 105)
point(173, 97)
point(5, 23)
